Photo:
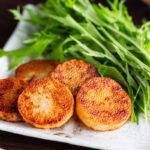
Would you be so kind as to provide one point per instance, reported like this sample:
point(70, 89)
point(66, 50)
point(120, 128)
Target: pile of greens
point(102, 36)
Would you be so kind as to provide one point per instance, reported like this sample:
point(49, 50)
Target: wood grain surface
point(9, 141)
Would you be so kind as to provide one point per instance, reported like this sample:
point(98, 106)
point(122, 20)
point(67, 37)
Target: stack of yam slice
point(44, 93)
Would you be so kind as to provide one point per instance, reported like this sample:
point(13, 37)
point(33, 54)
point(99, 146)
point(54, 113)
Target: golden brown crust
point(10, 89)
point(102, 104)
point(35, 69)
point(74, 73)
point(46, 103)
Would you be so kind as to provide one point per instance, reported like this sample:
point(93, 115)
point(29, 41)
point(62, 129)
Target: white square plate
point(129, 137)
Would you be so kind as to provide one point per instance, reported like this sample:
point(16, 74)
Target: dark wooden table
point(9, 141)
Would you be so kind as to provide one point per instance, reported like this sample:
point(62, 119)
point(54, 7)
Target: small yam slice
point(10, 89)
point(46, 103)
point(35, 69)
point(102, 104)
point(74, 73)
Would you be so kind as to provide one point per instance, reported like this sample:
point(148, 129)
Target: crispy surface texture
point(74, 73)
point(102, 104)
point(35, 69)
point(10, 89)
point(46, 103)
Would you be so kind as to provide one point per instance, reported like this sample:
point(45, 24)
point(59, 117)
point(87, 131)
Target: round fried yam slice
point(35, 69)
point(102, 104)
point(10, 89)
point(46, 103)
point(74, 73)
